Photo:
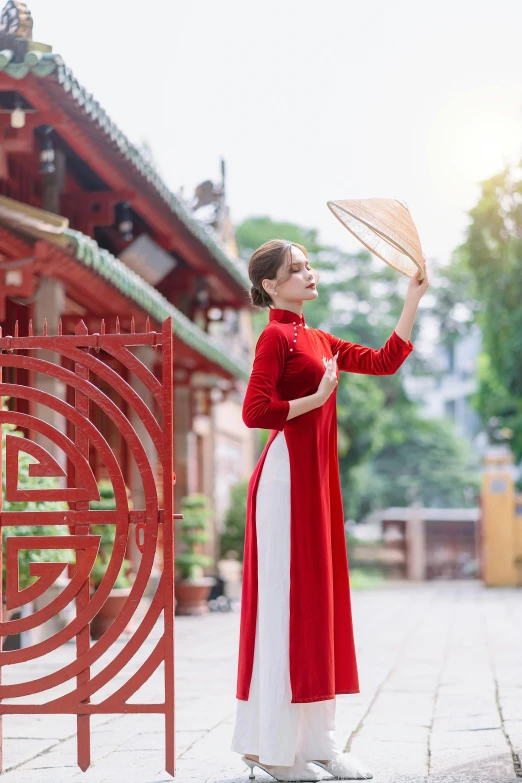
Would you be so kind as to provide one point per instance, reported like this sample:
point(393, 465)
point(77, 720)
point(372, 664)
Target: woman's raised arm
point(386, 360)
point(370, 361)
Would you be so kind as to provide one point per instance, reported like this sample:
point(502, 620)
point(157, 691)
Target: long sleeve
point(370, 361)
point(261, 407)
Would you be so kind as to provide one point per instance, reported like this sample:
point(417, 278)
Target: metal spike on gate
point(45, 327)
point(60, 328)
point(102, 329)
point(117, 325)
point(30, 327)
point(133, 325)
point(16, 329)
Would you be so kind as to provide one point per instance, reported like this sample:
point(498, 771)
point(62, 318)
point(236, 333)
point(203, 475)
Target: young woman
point(296, 647)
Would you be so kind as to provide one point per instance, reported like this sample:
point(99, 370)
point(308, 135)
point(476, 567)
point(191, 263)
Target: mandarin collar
point(286, 316)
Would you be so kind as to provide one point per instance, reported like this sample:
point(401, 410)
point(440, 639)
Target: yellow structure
point(501, 521)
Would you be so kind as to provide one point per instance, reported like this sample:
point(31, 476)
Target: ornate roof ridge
point(47, 65)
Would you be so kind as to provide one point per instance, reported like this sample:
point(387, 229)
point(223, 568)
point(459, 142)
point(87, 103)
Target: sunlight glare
point(473, 137)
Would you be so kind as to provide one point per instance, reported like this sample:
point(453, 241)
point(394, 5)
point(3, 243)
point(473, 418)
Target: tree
point(500, 410)
point(492, 254)
point(422, 460)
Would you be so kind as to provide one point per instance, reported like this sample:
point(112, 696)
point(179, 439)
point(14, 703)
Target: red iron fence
point(85, 364)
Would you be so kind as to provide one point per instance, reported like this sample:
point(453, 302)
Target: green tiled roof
point(52, 65)
point(91, 255)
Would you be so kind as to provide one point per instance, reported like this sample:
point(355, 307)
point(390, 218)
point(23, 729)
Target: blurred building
point(447, 392)
point(422, 543)
point(88, 230)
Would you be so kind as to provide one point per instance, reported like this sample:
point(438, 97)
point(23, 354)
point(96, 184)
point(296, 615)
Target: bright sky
point(309, 101)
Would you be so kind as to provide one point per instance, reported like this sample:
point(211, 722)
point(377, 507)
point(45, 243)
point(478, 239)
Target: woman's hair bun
point(259, 298)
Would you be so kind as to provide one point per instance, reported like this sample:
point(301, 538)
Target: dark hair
point(265, 263)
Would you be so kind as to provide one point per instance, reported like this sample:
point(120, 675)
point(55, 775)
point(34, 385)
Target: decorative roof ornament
point(17, 20)
point(209, 206)
point(16, 31)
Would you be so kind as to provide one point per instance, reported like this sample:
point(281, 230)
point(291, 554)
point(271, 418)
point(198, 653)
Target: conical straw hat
point(384, 226)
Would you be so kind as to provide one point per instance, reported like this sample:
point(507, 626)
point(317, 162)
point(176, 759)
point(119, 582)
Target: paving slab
point(440, 701)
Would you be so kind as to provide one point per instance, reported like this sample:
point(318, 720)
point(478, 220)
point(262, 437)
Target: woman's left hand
point(417, 288)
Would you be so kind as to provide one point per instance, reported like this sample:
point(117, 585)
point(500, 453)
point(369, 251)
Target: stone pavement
point(441, 698)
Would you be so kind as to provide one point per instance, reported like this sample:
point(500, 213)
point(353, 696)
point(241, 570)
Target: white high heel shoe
point(345, 767)
point(300, 771)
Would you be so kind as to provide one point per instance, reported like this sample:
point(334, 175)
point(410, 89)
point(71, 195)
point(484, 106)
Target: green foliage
point(452, 300)
point(500, 410)
point(424, 460)
point(193, 533)
point(233, 537)
point(99, 570)
point(28, 556)
point(107, 502)
point(191, 563)
point(492, 254)
point(253, 232)
point(365, 578)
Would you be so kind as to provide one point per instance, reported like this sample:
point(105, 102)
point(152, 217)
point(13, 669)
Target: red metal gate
point(84, 366)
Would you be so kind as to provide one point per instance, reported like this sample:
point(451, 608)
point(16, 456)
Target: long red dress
point(287, 365)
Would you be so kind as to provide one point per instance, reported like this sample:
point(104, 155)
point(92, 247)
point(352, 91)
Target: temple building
point(89, 231)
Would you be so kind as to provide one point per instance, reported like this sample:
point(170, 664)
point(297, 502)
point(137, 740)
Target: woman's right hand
point(329, 379)
point(316, 399)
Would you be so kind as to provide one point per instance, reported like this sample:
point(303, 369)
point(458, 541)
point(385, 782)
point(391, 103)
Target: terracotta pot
point(110, 611)
point(192, 595)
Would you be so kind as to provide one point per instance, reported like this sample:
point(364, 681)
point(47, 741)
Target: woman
point(296, 648)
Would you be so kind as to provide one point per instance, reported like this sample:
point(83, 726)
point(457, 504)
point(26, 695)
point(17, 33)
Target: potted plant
point(193, 588)
point(28, 556)
point(123, 584)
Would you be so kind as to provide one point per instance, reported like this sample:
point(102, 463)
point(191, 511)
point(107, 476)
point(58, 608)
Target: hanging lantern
point(47, 157)
point(124, 220)
point(18, 114)
point(16, 281)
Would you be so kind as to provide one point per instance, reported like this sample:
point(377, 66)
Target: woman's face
point(300, 285)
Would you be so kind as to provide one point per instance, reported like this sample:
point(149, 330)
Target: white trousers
point(268, 725)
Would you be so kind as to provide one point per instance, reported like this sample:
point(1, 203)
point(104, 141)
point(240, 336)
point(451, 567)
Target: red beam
point(88, 209)
point(9, 146)
point(100, 155)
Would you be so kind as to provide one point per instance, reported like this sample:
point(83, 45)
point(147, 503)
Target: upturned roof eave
point(49, 66)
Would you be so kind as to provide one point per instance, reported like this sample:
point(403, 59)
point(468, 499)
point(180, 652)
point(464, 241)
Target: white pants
point(268, 725)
